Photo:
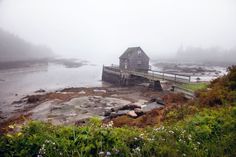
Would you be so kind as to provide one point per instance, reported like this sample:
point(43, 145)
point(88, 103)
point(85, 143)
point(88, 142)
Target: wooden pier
point(151, 75)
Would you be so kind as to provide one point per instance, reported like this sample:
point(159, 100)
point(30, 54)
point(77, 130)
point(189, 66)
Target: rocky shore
point(122, 105)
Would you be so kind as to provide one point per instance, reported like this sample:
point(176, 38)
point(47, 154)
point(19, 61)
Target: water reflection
point(18, 82)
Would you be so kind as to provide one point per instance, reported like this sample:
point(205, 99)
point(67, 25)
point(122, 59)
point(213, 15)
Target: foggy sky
point(103, 29)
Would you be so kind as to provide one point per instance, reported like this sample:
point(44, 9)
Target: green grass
point(194, 86)
point(210, 132)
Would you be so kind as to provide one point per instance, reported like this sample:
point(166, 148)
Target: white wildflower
point(137, 149)
point(172, 132)
point(101, 153)
point(108, 154)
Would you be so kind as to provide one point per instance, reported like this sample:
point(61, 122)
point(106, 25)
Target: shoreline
point(77, 104)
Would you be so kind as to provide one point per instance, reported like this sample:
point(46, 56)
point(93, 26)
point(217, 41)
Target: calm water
point(16, 83)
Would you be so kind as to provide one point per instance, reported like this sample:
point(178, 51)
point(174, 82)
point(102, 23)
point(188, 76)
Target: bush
point(211, 132)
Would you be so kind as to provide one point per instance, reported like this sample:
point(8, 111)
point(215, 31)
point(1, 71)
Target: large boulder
point(151, 106)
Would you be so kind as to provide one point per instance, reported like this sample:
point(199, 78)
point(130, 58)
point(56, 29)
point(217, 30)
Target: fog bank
point(99, 31)
point(13, 48)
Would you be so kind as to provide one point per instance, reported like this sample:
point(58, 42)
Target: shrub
point(210, 132)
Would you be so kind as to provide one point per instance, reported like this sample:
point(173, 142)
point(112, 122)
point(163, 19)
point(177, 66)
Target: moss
point(195, 86)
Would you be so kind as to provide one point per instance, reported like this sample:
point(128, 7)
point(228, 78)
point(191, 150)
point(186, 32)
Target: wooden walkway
point(150, 75)
point(156, 75)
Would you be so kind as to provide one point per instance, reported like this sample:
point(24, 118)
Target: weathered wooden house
point(134, 58)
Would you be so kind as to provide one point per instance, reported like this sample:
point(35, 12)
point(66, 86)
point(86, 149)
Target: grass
point(210, 132)
point(194, 86)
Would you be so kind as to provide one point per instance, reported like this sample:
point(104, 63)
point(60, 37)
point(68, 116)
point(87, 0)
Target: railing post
point(189, 79)
point(175, 78)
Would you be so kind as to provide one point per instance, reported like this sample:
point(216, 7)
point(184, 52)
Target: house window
point(139, 52)
point(126, 64)
point(139, 62)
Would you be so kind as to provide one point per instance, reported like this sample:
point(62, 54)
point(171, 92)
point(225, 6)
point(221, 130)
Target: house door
point(126, 65)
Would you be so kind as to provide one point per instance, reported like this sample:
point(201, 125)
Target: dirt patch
point(16, 119)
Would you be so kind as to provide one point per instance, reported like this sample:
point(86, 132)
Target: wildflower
point(42, 150)
point(101, 153)
point(198, 143)
point(172, 132)
point(108, 154)
point(47, 141)
point(108, 125)
point(194, 148)
point(184, 154)
point(11, 126)
point(137, 149)
point(150, 139)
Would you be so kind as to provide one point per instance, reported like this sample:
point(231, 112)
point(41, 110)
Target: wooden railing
point(152, 74)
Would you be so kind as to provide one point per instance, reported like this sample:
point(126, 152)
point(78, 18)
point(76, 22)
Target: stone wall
point(111, 78)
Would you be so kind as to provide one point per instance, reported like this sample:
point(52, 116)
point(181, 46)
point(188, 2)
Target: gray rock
point(129, 107)
point(157, 100)
point(160, 101)
point(139, 111)
point(40, 91)
point(132, 114)
point(122, 112)
point(107, 113)
point(151, 106)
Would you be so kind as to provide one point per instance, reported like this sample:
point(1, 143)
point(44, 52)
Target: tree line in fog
point(13, 48)
point(207, 55)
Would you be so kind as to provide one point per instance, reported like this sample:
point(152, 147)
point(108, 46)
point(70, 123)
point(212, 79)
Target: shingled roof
point(131, 51)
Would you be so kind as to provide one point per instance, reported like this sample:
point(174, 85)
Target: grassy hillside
point(203, 127)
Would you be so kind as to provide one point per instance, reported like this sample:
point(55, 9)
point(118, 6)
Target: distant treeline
point(13, 48)
point(213, 55)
